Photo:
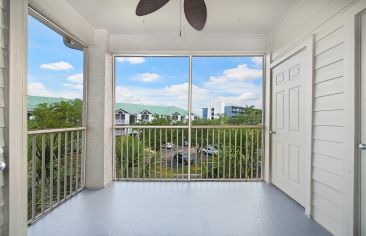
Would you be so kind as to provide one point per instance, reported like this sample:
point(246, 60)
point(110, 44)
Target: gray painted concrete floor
point(196, 208)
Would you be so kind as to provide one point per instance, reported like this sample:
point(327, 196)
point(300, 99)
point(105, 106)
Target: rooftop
point(33, 101)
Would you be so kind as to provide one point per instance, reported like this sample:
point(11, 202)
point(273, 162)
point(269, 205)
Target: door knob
point(2, 165)
point(272, 132)
point(362, 146)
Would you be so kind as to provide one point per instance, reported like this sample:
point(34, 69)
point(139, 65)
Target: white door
point(288, 125)
point(363, 124)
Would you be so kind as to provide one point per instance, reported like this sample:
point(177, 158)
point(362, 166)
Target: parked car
point(167, 146)
point(182, 158)
point(210, 150)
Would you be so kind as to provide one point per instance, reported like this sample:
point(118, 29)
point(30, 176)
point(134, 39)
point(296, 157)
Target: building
point(126, 113)
point(213, 111)
point(231, 111)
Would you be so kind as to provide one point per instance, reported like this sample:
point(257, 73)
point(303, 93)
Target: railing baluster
point(200, 153)
point(207, 169)
point(241, 153)
point(122, 156)
point(83, 156)
point(115, 131)
point(257, 153)
point(166, 154)
point(171, 151)
point(34, 143)
point(182, 153)
point(43, 173)
point(197, 155)
point(177, 158)
point(154, 153)
point(71, 161)
point(230, 154)
point(143, 153)
point(65, 167)
point(51, 170)
point(58, 166)
point(127, 156)
point(160, 159)
point(224, 161)
point(246, 155)
point(235, 151)
point(213, 154)
point(252, 155)
point(150, 158)
point(138, 154)
point(133, 154)
point(218, 154)
point(77, 161)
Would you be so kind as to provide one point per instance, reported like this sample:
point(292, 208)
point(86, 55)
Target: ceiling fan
point(194, 10)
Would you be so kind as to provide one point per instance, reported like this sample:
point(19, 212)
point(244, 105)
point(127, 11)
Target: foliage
point(251, 116)
point(63, 114)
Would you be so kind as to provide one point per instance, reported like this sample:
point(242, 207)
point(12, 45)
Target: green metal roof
point(159, 110)
point(33, 101)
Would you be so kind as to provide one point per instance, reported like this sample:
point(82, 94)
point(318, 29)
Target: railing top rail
point(186, 127)
point(227, 126)
point(48, 131)
point(151, 126)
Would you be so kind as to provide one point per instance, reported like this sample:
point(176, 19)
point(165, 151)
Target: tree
point(251, 116)
point(63, 114)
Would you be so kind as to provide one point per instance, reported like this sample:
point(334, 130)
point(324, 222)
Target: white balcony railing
point(56, 168)
point(161, 153)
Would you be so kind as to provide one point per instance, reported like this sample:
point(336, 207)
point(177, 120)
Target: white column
point(99, 112)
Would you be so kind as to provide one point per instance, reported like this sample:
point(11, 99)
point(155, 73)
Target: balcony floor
point(196, 208)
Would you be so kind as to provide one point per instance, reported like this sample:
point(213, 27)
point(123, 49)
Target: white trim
point(308, 46)
point(351, 170)
point(18, 198)
point(267, 120)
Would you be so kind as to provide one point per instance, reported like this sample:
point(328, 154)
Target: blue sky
point(164, 81)
point(54, 70)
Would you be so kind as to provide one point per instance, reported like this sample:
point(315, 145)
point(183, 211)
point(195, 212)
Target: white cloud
point(39, 89)
point(239, 73)
point(258, 61)
point(76, 78)
point(74, 86)
point(131, 60)
point(36, 89)
point(61, 65)
point(147, 77)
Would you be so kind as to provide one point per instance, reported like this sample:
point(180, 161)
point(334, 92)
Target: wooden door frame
point(307, 46)
point(17, 117)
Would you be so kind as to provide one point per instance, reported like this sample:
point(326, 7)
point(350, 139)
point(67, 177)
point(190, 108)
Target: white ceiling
point(224, 16)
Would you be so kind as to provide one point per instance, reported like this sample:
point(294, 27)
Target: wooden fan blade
point(146, 7)
point(196, 13)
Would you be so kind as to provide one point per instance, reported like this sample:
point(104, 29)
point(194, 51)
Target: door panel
point(288, 140)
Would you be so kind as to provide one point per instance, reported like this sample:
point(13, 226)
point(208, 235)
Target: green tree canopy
point(63, 114)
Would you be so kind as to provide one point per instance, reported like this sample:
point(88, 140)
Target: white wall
point(155, 44)
point(332, 170)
